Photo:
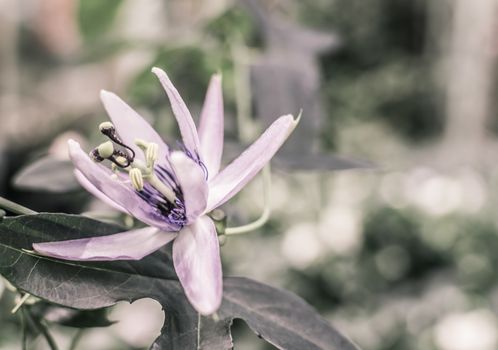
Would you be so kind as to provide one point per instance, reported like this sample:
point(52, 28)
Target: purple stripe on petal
point(239, 172)
point(129, 245)
point(211, 127)
point(181, 112)
point(130, 126)
point(123, 194)
point(196, 256)
point(192, 183)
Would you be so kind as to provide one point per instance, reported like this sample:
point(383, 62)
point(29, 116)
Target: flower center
point(140, 173)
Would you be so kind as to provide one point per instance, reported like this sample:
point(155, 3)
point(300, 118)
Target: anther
point(151, 154)
point(137, 179)
point(142, 144)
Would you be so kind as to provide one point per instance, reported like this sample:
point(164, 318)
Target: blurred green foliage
point(96, 17)
point(383, 70)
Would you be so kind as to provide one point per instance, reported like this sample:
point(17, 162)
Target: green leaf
point(47, 174)
point(278, 316)
point(70, 317)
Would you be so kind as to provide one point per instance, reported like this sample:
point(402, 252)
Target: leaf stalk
point(263, 219)
point(15, 208)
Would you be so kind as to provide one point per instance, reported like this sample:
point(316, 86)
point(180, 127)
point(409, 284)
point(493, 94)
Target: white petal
point(238, 173)
point(196, 255)
point(129, 245)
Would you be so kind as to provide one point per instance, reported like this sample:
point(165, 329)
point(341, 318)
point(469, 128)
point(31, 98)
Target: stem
point(14, 207)
point(198, 331)
point(266, 211)
point(76, 339)
point(20, 303)
point(41, 328)
point(24, 339)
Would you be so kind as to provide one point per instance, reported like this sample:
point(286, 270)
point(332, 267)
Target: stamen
point(161, 187)
point(151, 154)
point(137, 179)
point(166, 197)
point(142, 144)
point(151, 151)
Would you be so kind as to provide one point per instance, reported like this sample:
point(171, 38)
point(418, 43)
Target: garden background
point(384, 201)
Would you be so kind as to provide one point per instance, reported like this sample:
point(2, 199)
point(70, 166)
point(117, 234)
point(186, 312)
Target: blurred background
point(385, 198)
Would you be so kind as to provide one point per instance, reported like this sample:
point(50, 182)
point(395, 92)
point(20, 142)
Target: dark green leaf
point(71, 317)
point(278, 316)
point(47, 174)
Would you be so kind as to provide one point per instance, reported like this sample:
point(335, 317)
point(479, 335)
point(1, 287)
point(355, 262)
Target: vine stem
point(266, 211)
point(15, 208)
point(76, 339)
point(198, 331)
point(41, 328)
point(20, 303)
point(24, 338)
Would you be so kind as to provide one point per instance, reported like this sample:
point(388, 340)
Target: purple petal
point(238, 173)
point(129, 245)
point(196, 255)
point(211, 127)
point(121, 193)
point(192, 182)
point(130, 125)
point(87, 185)
point(181, 112)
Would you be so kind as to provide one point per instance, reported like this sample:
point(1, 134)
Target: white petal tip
point(298, 118)
point(158, 71)
point(293, 121)
point(73, 145)
point(208, 311)
point(105, 95)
